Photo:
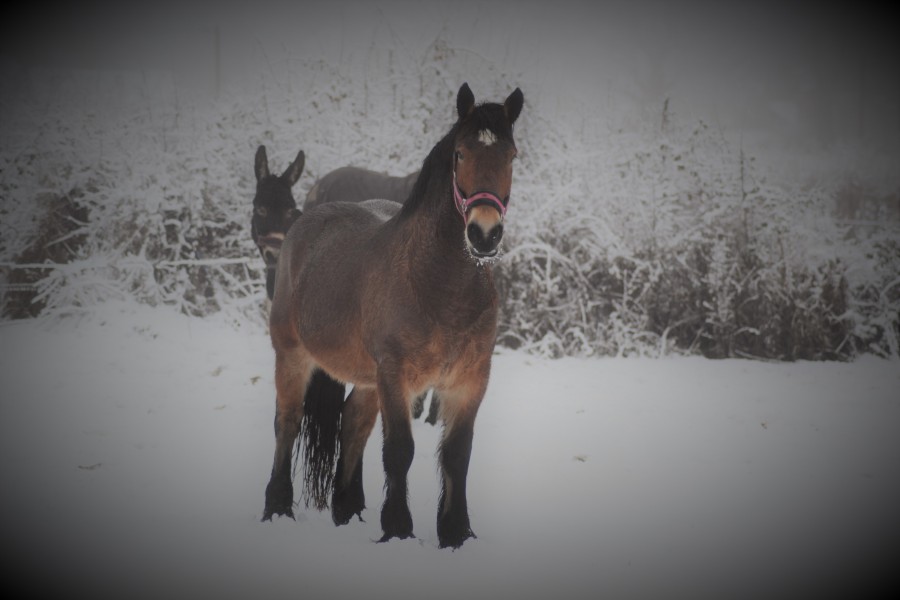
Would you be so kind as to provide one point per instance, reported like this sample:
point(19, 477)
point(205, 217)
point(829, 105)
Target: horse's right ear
point(513, 105)
point(465, 101)
point(261, 164)
point(293, 172)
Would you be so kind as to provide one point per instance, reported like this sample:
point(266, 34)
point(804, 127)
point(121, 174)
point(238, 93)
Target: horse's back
point(327, 244)
point(381, 208)
point(355, 184)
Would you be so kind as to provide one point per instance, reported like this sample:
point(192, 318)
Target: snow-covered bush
point(643, 238)
point(671, 240)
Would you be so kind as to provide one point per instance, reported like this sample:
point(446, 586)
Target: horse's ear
point(465, 101)
point(293, 172)
point(261, 164)
point(513, 105)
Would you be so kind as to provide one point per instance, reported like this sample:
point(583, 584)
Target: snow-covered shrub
point(674, 241)
point(639, 238)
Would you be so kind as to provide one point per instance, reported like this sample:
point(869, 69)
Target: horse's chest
point(453, 354)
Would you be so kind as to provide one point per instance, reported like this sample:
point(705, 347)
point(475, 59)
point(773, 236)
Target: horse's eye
point(459, 155)
point(261, 211)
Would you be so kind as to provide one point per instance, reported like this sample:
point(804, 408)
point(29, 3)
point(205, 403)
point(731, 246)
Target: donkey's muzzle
point(270, 246)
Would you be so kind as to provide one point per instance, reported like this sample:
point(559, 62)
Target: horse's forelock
point(487, 117)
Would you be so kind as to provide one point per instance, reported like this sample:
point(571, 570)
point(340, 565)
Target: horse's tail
point(318, 443)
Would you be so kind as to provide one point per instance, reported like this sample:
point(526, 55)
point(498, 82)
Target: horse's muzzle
point(484, 244)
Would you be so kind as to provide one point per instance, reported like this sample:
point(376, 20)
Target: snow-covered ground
point(137, 442)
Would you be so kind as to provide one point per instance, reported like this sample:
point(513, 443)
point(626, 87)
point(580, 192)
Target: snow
point(137, 442)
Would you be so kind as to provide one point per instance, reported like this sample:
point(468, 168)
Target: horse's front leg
point(397, 453)
point(458, 408)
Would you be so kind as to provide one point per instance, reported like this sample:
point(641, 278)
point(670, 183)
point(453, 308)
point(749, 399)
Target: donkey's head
point(482, 168)
point(274, 208)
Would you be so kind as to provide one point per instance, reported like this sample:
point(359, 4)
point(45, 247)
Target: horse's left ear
point(465, 101)
point(513, 105)
point(293, 172)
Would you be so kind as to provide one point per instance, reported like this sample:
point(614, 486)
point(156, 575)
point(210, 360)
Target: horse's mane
point(436, 168)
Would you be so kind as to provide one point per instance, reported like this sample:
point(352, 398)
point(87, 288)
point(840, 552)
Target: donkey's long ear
point(293, 172)
point(261, 164)
point(465, 101)
point(513, 105)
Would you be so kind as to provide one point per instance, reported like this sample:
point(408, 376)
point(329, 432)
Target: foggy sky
point(816, 70)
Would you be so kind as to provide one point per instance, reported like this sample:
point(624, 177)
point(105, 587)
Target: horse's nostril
point(475, 235)
point(496, 234)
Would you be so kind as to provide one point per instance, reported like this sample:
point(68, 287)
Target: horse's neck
point(434, 221)
point(437, 252)
point(435, 231)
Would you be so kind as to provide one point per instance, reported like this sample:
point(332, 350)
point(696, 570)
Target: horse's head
point(482, 167)
point(274, 208)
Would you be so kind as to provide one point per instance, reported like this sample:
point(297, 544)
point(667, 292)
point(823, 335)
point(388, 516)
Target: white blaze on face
point(486, 137)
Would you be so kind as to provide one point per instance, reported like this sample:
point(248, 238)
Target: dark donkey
point(396, 302)
point(274, 210)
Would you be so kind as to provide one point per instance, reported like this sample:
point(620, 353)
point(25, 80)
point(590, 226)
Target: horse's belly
point(341, 354)
point(355, 369)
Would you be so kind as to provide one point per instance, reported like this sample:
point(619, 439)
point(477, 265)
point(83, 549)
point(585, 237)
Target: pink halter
point(463, 204)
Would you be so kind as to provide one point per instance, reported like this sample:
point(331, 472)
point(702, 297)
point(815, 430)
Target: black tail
point(319, 439)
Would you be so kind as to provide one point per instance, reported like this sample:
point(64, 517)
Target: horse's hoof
point(396, 521)
point(400, 536)
point(455, 539)
point(283, 512)
point(346, 504)
point(279, 499)
point(343, 516)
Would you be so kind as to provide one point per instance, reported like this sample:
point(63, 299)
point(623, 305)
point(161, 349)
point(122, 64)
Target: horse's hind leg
point(419, 407)
point(434, 409)
point(292, 375)
point(357, 421)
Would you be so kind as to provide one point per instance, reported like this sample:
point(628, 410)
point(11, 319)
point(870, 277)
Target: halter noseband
point(463, 204)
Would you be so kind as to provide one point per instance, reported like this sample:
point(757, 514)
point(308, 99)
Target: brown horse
point(396, 302)
point(355, 184)
point(275, 210)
